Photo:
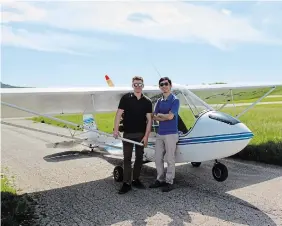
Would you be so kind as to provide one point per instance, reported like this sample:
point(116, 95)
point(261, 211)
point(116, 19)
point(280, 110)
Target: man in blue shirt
point(166, 112)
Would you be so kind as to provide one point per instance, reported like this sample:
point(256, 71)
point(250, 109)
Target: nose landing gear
point(118, 173)
point(219, 171)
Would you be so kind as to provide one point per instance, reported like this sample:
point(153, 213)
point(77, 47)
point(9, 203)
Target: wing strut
point(252, 105)
point(69, 123)
point(41, 131)
point(77, 140)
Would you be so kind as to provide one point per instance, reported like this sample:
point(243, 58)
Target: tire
point(118, 174)
point(220, 172)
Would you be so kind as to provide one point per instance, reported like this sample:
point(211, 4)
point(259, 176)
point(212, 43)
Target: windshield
point(191, 101)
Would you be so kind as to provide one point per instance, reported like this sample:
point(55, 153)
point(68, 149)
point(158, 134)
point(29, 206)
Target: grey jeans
point(166, 145)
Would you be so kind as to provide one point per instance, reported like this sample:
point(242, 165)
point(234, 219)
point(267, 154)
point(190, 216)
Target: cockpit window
point(222, 117)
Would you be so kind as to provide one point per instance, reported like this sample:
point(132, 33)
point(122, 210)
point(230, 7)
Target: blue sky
point(76, 43)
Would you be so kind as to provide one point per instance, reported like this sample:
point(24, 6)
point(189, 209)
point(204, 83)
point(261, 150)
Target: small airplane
point(205, 133)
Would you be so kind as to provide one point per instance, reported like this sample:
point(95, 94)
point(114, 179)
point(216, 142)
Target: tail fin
point(109, 81)
point(88, 120)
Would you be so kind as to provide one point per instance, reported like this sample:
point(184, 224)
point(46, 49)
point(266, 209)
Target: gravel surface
point(76, 187)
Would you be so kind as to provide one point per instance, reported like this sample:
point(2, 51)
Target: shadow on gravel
point(97, 202)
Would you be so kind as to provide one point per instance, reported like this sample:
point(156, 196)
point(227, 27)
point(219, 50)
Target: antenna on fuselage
point(156, 70)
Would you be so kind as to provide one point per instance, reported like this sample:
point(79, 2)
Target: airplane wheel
point(219, 172)
point(118, 173)
point(196, 164)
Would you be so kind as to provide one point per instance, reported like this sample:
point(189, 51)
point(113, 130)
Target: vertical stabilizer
point(109, 81)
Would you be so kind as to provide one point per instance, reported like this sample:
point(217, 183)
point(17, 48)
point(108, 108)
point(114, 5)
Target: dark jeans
point(127, 155)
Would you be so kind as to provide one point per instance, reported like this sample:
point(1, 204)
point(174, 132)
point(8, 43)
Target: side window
point(186, 116)
point(155, 124)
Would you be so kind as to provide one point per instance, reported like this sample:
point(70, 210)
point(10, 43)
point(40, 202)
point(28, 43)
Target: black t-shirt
point(134, 117)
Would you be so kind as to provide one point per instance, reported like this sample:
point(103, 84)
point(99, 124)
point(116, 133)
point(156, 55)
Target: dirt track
point(79, 189)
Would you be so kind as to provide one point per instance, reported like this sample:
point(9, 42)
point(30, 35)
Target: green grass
point(104, 121)
point(239, 96)
point(277, 91)
point(15, 209)
point(266, 123)
point(75, 118)
point(264, 120)
point(269, 99)
point(7, 185)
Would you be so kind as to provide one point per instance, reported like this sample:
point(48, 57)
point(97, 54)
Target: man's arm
point(174, 111)
point(119, 112)
point(156, 113)
point(149, 124)
point(158, 118)
point(117, 119)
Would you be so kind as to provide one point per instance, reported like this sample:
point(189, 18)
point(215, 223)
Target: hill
point(3, 85)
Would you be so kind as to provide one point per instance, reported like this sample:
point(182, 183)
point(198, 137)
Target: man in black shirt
point(136, 109)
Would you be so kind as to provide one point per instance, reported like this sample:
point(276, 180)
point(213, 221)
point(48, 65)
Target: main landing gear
point(118, 173)
point(219, 171)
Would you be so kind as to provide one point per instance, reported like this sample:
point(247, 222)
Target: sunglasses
point(163, 84)
point(138, 84)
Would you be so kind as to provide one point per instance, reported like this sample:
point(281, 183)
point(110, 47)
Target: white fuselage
point(209, 139)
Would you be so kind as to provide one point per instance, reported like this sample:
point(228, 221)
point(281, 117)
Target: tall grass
point(266, 123)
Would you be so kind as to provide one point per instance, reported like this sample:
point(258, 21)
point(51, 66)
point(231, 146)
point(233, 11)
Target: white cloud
point(226, 12)
point(170, 21)
point(53, 41)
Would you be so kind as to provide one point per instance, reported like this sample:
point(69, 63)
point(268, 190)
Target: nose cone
point(244, 130)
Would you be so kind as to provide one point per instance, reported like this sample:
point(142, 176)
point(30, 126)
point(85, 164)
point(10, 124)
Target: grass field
point(15, 209)
point(239, 96)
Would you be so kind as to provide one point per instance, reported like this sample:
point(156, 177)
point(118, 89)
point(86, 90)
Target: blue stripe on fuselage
point(215, 138)
point(211, 139)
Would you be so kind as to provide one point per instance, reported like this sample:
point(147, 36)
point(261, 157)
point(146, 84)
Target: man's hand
point(116, 134)
point(159, 117)
point(145, 140)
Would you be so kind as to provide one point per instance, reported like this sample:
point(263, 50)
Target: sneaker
point(168, 187)
point(157, 184)
point(138, 184)
point(125, 188)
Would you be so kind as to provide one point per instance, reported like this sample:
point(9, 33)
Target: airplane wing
point(24, 102)
point(219, 96)
point(54, 101)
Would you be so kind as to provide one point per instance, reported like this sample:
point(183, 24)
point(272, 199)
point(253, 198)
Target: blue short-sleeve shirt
point(164, 106)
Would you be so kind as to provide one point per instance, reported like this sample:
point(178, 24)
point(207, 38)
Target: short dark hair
point(165, 78)
point(137, 78)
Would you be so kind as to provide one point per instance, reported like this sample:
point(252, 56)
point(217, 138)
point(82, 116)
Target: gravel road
point(77, 188)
